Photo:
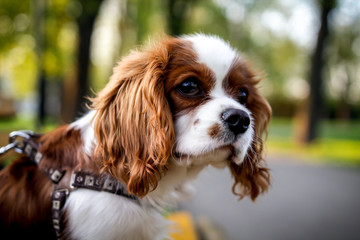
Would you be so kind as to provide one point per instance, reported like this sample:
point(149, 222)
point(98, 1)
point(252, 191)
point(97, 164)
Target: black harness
point(24, 142)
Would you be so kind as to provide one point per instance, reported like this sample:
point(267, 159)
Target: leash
point(24, 142)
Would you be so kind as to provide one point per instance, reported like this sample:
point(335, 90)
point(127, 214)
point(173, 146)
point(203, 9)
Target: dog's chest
point(101, 215)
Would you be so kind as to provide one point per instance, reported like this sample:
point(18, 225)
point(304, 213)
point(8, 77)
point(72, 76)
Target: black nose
point(237, 120)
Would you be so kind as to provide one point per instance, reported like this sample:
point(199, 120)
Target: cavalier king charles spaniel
point(168, 111)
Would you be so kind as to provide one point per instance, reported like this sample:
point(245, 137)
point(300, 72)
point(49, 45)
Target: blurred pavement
point(304, 202)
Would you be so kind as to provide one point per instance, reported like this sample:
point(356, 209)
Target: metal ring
point(22, 133)
point(25, 134)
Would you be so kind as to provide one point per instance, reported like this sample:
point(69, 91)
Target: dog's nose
point(237, 120)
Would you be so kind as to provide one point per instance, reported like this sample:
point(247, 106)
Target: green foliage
point(278, 56)
point(14, 21)
point(16, 46)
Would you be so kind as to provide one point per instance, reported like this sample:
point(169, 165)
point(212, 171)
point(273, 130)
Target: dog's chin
point(218, 157)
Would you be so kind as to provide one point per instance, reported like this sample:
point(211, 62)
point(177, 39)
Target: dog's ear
point(133, 123)
point(251, 177)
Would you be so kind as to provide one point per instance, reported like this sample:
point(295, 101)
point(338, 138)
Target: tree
point(76, 91)
point(39, 8)
point(343, 57)
point(316, 71)
point(85, 23)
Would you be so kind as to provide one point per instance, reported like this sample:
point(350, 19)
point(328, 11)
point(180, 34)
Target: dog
point(169, 110)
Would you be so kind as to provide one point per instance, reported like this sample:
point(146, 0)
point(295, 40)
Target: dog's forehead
point(215, 53)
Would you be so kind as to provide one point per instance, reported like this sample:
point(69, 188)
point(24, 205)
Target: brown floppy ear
point(133, 122)
point(251, 177)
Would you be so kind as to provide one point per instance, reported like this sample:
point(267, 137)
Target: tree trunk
point(316, 73)
point(176, 15)
point(85, 23)
point(39, 7)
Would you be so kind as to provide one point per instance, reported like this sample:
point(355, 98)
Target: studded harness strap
point(24, 142)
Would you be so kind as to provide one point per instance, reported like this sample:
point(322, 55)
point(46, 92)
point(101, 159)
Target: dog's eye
point(242, 96)
point(190, 87)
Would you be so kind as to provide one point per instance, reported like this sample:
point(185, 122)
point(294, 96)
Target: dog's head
point(193, 99)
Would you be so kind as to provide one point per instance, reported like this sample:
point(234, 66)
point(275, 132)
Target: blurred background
point(54, 53)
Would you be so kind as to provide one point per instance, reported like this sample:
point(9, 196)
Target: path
point(304, 202)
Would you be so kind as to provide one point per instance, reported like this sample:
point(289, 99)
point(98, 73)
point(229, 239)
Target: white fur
point(100, 215)
point(193, 139)
point(214, 53)
point(84, 124)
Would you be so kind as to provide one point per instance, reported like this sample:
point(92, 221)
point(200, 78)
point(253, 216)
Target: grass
point(16, 123)
point(338, 142)
point(24, 122)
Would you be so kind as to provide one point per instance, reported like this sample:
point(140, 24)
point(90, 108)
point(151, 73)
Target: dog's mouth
point(221, 155)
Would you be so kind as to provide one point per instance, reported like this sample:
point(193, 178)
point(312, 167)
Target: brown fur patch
point(182, 65)
point(62, 148)
point(251, 177)
point(215, 131)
